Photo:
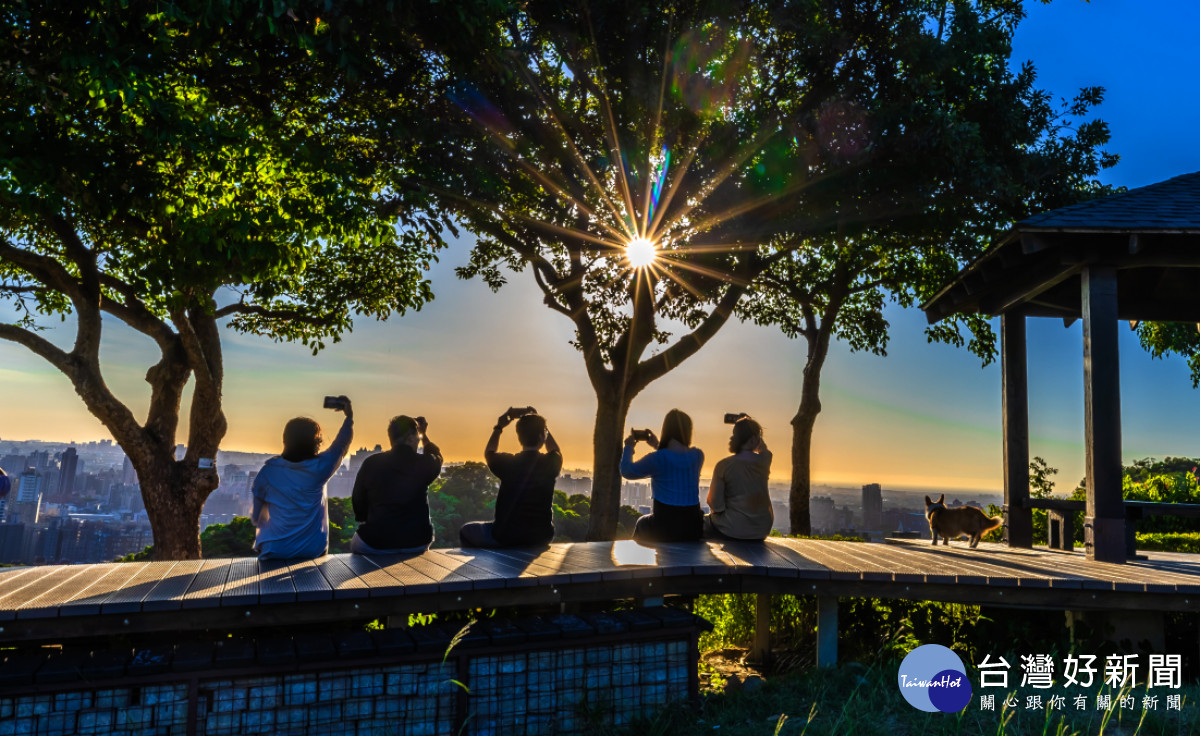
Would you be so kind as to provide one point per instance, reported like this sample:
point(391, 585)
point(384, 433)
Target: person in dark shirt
point(389, 497)
point(524, 503)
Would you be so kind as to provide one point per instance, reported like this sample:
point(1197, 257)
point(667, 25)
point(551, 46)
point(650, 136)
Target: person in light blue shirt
point(290, 510)
point(674, 472)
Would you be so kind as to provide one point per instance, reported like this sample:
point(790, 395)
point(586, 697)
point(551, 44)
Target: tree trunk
point(174, 494)
point(611, 411)
point(800, 495)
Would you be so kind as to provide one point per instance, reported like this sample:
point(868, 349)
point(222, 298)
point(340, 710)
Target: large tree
point(173, 166)
point(725, 136)
point(1006, 151)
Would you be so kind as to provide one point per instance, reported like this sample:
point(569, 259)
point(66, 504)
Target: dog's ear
point(942, 499)
point(928, 502)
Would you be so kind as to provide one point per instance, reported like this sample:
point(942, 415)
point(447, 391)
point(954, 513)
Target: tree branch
point(57, 357)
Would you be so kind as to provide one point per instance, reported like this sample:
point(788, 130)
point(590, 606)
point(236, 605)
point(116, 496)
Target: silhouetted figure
point(290, 509)
point(674, 472)
point(389, 495)
point(738, 498)
point(525, 500)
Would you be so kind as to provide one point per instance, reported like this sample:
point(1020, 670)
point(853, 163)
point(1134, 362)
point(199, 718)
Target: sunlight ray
point(579, 158)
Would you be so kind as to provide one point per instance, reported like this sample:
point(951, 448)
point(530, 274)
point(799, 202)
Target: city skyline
point(926, 416)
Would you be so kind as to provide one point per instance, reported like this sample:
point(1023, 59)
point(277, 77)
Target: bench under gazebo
point(1132, 257)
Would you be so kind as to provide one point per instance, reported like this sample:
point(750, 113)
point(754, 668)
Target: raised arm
point(332, 457)
point(551, 445)
point(493, 444)
point(429, 449)
point(631, 470)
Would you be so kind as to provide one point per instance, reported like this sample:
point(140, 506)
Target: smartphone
point(334, 402)
point(732, 418)
point(516, 412)
point(641, 434)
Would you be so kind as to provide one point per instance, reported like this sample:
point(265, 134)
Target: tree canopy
point(170, 166)
point(724, 139)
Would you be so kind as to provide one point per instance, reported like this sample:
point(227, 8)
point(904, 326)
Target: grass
point(856, 700)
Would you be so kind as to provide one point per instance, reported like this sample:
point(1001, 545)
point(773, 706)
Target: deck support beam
point(760, 649)
point(1104, 522)
point(827, 630)
point(1018, 517)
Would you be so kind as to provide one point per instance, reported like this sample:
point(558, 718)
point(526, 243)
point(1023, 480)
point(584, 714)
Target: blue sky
point(925, 416)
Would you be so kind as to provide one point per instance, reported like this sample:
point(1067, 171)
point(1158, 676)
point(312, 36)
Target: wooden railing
point(1060, 519)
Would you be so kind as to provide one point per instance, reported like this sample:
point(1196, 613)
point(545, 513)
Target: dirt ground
point(727, 670)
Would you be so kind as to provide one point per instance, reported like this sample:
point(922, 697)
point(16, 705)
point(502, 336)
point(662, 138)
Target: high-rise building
point(13, 464)
point(39, 460)
point(872, 505)
point(128, 474)
point(68, 464)
point(23, 507)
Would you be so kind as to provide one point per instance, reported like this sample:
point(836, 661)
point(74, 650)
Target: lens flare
point(640, 252)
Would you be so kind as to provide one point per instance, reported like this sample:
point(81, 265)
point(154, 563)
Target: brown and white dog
point(953, 523)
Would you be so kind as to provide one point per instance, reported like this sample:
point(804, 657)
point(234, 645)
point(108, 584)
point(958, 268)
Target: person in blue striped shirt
point(674, 472)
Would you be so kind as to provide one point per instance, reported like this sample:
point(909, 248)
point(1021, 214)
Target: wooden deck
point(67, 601)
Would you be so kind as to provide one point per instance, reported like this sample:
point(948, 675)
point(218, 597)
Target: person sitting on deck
point(738, 497)
point(389, 496)
point(290, 510)
point(674, 472)
point(525, 500)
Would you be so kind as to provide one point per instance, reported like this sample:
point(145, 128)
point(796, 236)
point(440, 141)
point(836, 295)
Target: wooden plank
point(801, 565)
point(168, 594)
point(480, 577)
point(594, 558)
point(751, 558)
point(553, 560)
point(87, 601)
point(42, 598)
point(519, 574)
point(205, 589)
point(379, 583)
point(936, 570)
point(987, 567)
point(838, 566)
point(309, 582)
point(542, 574)
point(448, 581)
point(275, 582)
point(412, 581)
point(906, 568)
point(128, 598)
point(856, 556)
point(342, 581)
point(12, 581)
point(241, 587)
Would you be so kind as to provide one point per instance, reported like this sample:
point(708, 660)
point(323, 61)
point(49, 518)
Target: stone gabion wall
point(401, 700)
point(561, 691)
point(151, 709)
point(550, 688)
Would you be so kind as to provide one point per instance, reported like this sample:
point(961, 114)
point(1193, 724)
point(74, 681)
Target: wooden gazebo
point(1133, 256)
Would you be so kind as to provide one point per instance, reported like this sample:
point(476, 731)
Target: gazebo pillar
point(1018, 517)
point(1104, 524)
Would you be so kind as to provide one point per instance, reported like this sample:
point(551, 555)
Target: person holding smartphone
point(674, 472)
point(738, 499)
point(290, 510)
point(390, 492)
point(525, 500)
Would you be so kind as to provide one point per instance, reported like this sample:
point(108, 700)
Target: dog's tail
point(993, 522)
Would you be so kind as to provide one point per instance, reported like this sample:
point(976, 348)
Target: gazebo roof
point(1171, 205)
point(1150, 235)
